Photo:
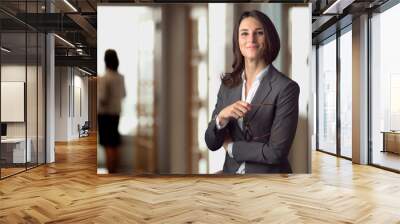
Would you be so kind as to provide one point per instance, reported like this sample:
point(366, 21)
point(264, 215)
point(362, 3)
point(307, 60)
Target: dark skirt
point(108, 130)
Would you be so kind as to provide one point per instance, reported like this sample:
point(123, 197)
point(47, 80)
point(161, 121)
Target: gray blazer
point(275, 125)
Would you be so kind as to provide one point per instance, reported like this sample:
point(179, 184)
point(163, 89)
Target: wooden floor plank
point(69, 191)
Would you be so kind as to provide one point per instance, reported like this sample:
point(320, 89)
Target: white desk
point(18, 149)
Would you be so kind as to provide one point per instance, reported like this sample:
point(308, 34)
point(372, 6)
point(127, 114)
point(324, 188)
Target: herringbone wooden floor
point(69, 191)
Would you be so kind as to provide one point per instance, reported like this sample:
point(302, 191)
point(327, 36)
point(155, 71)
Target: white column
point(299, 49)
point(50, 99)
point(220, 61)
point(360, 90)
point(178, 91)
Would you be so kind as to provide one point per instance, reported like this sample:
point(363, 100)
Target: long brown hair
point(272, 42)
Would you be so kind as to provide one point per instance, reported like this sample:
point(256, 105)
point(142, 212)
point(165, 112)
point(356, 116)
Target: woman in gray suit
point(255, 117)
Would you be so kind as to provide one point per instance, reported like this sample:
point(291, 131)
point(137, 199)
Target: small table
point(17, 150)
point(391, 141)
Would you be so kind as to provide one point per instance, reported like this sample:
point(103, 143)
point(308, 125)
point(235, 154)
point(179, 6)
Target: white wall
point(80, 110)
point(312, 108)
point(71, 92)
point(17, 73)
point(33, 126)
point(220, 30)
point(300, 49)
point(13, 73)
point(61, 103)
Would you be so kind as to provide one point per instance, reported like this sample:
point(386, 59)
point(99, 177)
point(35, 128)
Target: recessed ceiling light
point(64, 40)
point(84, 71)
point(5, 49)
point(70, 5)
point(337, 7)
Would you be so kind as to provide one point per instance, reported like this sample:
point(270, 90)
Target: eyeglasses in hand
point(249, 136)
point(248, 133)
point(261, 104)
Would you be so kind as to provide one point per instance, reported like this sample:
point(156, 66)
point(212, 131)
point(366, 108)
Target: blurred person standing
point(110, 92)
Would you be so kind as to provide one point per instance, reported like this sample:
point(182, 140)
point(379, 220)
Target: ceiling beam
point(84, 24)
point(82, 61)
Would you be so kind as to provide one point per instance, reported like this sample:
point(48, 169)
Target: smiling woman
point(256, 114)
point(251, 39)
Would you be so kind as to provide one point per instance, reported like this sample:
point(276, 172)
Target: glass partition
point(327, 96)
point(13, 95)
point(31, 98)
point(41, 91)
point(22, 90)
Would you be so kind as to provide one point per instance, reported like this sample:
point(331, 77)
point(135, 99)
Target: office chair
point(84, 130)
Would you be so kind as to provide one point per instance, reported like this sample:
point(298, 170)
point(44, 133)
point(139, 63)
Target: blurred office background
point(172, 57)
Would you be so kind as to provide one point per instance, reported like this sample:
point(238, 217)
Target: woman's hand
point(235, 110)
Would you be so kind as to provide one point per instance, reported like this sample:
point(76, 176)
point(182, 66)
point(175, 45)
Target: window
point(327, 97)
point(346, 94)
point(385, 89)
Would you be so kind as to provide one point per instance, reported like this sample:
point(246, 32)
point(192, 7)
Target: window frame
point(334, 37)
